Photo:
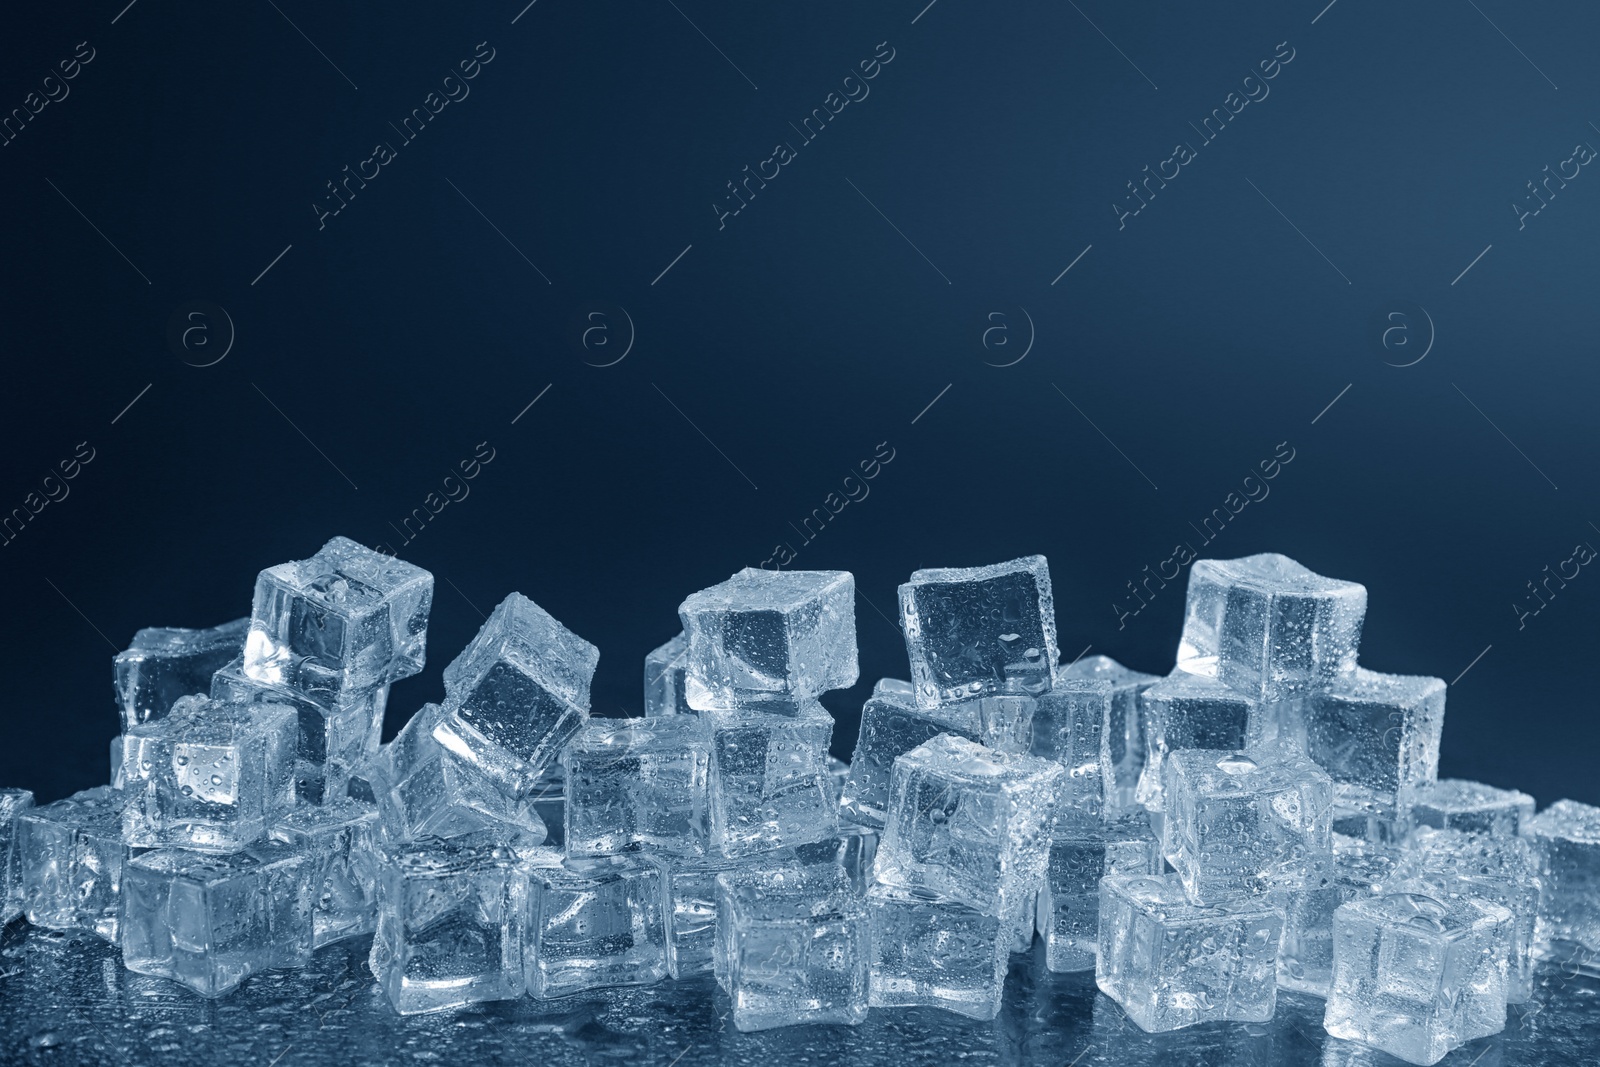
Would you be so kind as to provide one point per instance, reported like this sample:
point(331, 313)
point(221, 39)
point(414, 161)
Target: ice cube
point(1305, 960)
point(163, 664)
point(548, 801)
point(211, 775)
point(1416, 976)
point(928, 950)
point(1072, 727)
point(637, 784)
point(797, 947)
point(340, 840)
point(663, 679)
point(13, 802)
point(838, 772)
point(1268, 627)
point(689, 905)
point(769, 785)
point(891, 725)
point(595, 923)
point(1172, 964)
point(1188, 711)
point(970, 823)
point(1241, 824)
point(852, 849)
point(1377, 736)
point(517, 693)
point(1566, 839)
point(452, 923)
point(1069, 903)
point(70, 857)
point(1458, 804)
point(1125, 726)
point(980, 631)
point(211, 921)
point(347, 619)
point(764, 635)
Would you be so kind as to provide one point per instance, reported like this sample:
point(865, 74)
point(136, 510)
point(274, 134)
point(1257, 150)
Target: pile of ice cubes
point(1267, 816)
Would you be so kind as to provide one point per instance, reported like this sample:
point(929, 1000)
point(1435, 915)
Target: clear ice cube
point(1377, 736)
point(340, 840)
point(1459, 804)
point(892, 724)
point(13, 802)
point(663, 679)
point(595, 923)
point(1566, 839)
point(637, 784)
point(1190, 711)
point(852, 849)
point(163, 664)
point(1125, 727)
point(689, 906)
point(1305, 960)
point(1072, 727)
point(769, 785)
point(1069, 903)
point(928, 950)
point(70, 856)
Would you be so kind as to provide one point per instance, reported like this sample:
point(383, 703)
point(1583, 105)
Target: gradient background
point(772, 355)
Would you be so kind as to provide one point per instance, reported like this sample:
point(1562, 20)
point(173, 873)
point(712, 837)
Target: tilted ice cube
point(517, 693)
point(163, 664)
point(891, 724)
point(1459, 804)
point(1172, 964)
point(1187, 711)
point(1125, 725)
point(1377, 736)
point(764, 635)
point(1451, 863)
point(340, 840)
point(335, 737)
point(1566, 839)
point(211, 775)
point(1268, 627)
point(1416, 976)
point(1072, 727)
point(452, 923)
point(13, 802)
point(769, 784)
point(635, 784)
point(345, 620)
point(928, 950)
point(1238, 824)
point(1069, 903)
point(796, 947)
point(594, 923)
point(970, 823)
point(211, 921)
point(980, 631)
point(1305, 959)
point(70, 856)
point(663, 679)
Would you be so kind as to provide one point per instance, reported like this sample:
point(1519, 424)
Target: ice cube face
point(1377, 736)
point(1458, 804)
point(1238, 824)
point(1416, 976)
point(164, 664)
point(980, 631)
point(689, 907)
point(1068, 915)
point(595, 923)
point(891, 725)
point(1305, 959)
point(211, 921)
point(1266, 626)
point(347, 619)
point(1125, 725)
point(765, 635)
point(637, 784)
point(663, 679)
point(852, 849)
point(340, 842)
point(70, 857)
point(769, 785)
point(13, 802)
point(970, 823)
point(452, 922)
point(930, 951)
point(797, 947)
point(211, 775)
point(1172, 964)
point(1186, 711)
point(1566, 840)
point(516, 695)
point(1072, 727)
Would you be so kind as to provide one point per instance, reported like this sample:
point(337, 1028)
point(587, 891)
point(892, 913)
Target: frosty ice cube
point(211, 921)
point(663, 679)
point(1188, 711)
point(1566, 839)
point(891, 724)
point(931, 951)
point(970, 823)
point(1268, 627)
point(1458, 804)
point(764, 635)
point(1239, 824)
point(13, 802)
point(345, 620)
point(211, 775)
point(595, 923)
point(1377, 736)
point(980, 631)
point(163, 664)
point(1125, 725)
point(517, 693)
point(340, 841)
point(1417, 976)
point(70, 857)
point(1068, 915)
point(637, 784)
point(1172, 964)
point(1305, 960)
point(769, 784)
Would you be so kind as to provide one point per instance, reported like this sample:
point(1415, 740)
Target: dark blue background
point(779, 351)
